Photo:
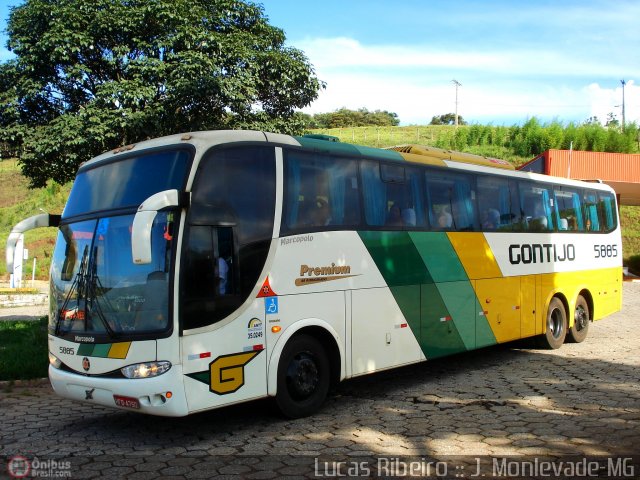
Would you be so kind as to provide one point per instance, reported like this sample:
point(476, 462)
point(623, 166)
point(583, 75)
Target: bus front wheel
point(581, 320)
point(303, 377)
point(556, 325)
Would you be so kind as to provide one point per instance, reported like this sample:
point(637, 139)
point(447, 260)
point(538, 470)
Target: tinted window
point(321, 192)
point(608, 211)
point(592, 214)
point(236, 186)
point(452, 201)
point(127, 183)
point(228, 232)
point(393, 195)
point(568, 209)
point(537, 206)
point(498, 204)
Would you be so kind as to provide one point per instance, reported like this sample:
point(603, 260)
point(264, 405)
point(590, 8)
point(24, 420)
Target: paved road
point(34, 312)
point(583, 400)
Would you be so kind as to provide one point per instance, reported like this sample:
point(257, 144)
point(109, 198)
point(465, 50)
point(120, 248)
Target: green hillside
point(17, 201)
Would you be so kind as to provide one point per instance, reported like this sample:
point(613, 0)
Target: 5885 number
point(603, 251)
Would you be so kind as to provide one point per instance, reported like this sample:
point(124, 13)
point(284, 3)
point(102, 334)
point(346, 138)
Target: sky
point(551, 59)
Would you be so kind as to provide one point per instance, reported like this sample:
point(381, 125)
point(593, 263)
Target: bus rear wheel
point(581, 320)
point(303, 377)
point(556, 324)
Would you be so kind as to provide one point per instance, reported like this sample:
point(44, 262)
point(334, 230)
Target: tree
point(343, 117)
point(447, 119)
point(91, 75)
point(612, 120)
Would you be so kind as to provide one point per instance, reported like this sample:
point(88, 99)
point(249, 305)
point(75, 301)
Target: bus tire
point(303, 377)
point(581, 320)
point(556, 324)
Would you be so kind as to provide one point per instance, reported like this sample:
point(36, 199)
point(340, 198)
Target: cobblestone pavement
point(580, 400)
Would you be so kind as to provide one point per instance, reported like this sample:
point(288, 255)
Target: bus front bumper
point(162, 395)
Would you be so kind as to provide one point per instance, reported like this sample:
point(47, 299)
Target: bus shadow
point(498, 399)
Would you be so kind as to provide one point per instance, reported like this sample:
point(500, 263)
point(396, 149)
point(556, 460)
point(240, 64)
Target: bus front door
point(223, 338)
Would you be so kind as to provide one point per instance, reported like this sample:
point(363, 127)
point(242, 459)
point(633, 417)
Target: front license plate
point(126, 402)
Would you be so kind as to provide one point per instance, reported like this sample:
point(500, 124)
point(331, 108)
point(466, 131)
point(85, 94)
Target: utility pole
point(623, 84)
point(457, 84)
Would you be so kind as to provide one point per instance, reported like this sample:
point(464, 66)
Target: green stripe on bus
point(407, 276)
point(396, 257)
point(204, 376)
point(456, 290)
point(101, 350)
point(432, 290)
point(85, 349)
point(408, 299)
point(438, 336)
point(438, 255)
point(339, 148)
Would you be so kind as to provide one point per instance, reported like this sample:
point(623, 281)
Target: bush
point(634, 264)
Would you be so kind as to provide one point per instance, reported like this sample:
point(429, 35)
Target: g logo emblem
point(86, 364)
point(227, 372)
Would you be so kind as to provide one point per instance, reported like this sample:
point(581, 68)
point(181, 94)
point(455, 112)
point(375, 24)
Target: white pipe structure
point(37, 221)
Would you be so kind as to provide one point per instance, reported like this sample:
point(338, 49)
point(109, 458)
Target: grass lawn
point(23, 349)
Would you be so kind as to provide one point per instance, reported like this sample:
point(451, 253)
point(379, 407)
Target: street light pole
point(457, 84)
point(623, 119)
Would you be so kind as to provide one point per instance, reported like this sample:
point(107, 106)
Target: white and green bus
point(201, 270)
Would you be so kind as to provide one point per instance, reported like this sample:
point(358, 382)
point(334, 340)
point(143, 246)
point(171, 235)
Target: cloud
point(609, 100)
point(342, 53)
point(499, 86)
point(416, 103)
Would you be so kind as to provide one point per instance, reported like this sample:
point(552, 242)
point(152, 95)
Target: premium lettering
point(311, 275)
point(541, 253)
point(333, 269)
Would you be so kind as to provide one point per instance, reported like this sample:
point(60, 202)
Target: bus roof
point(422, 154)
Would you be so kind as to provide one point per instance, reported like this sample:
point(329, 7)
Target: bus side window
point(608, 211)
point(569, 209)
point(498, 204)
point(393, 195)
point(591, 214)
point(538, 207)
point(321, 192)
point(452, 201)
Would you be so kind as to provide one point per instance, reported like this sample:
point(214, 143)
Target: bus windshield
point(128, 182)
point(96, 289)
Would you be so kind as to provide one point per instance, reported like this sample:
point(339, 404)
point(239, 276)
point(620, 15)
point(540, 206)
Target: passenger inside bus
point(223, 272)
point(394, 217)
point(491, 219)
point(445, 220)
point(321, 215)
point(409, 217)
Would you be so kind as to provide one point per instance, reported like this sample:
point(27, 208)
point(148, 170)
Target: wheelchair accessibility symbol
point(271, 305)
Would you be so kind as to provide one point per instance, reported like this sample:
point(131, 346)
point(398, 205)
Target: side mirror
point(37, 221)
point(143, 221)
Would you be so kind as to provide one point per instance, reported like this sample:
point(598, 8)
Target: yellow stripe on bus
point(475, 254)
point(119, 350)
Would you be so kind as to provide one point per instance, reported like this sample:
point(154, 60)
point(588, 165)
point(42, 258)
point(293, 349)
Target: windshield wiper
point(93, 285)
point(78, 286)
point(85, 285)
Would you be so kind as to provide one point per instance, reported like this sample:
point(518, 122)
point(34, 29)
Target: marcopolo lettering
point(541, 253)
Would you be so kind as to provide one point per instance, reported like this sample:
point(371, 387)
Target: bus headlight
point(146, 370)
point(54, 361)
